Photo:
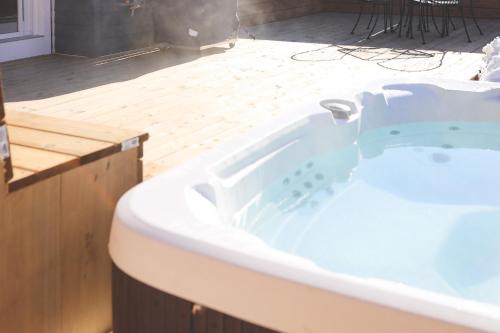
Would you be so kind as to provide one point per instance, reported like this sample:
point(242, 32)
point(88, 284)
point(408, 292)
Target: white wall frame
point(35, 32)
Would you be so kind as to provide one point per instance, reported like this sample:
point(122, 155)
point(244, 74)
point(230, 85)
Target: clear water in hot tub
point(417, 204)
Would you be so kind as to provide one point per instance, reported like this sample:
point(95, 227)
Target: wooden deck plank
point(38, 160)
point(31, 165)
point(21, 173)
point(59, 143)
point(73, 129)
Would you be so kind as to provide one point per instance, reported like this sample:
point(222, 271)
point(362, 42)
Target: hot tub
point(376, 212)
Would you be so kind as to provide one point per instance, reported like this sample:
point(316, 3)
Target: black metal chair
point(386, 6)
point(447, 5)
point(425, 10)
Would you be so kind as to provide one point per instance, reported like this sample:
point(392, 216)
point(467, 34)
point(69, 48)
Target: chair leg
point(434, 20)
point(391, 11)
point(422, 23)
point(474, 18)
point(451, 22)
point(407, 20)
point(465, 25)
point(443, 21)
point(419, 22)
point(386, 17)
point(374, 23)
point(447, 25)
point(371, 16)
point(401, 14)
point(359, 17)
point(410, 23)
point(427, 12)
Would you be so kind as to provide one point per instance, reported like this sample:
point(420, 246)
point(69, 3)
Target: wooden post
point(3, 190)
point(6, 166)
point(3, 174)
point(2, 108)
point(6, 172)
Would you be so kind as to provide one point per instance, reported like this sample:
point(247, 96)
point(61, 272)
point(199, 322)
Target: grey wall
point(97, 27)
point(116, 30)
point(74, 26)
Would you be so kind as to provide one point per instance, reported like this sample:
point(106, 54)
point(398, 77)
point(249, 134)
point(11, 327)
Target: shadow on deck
point(61, 74)
point(335, 28)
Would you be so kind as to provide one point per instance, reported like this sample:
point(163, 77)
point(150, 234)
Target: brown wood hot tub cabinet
point(139, 308)
point(55, 217)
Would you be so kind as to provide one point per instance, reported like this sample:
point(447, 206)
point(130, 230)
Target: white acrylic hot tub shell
point(168, 236)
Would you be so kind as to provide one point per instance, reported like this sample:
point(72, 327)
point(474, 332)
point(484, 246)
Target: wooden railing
point(254, 12)
point(482, 8)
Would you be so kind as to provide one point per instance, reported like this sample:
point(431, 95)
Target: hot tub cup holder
point(340, 108)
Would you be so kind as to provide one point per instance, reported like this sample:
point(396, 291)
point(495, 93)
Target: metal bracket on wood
point(4, 142)
point(7, 171)
point(130, 144)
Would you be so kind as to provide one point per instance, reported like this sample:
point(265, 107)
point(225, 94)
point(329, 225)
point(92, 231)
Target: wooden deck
point(191, 102)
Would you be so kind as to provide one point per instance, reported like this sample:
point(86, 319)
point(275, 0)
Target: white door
point(25, 28)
